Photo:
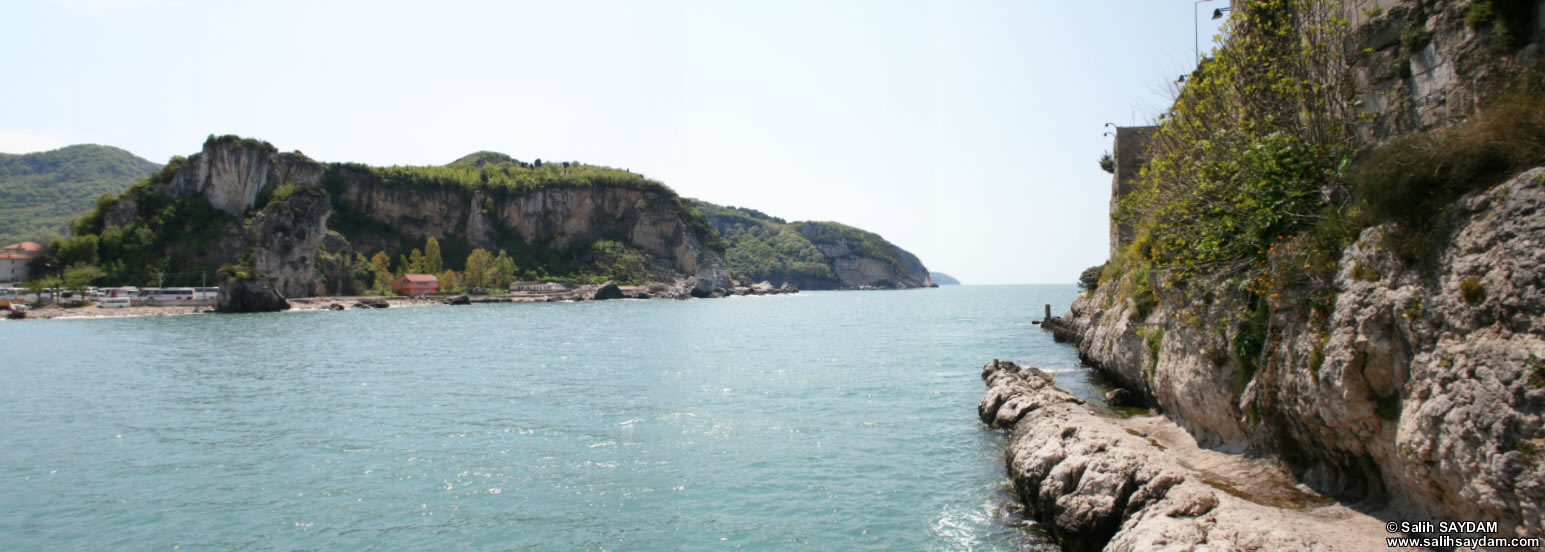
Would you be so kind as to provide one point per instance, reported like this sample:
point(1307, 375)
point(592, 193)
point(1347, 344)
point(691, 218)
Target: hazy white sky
point(966, 132)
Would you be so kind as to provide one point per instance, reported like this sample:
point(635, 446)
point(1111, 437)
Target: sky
point(967, 132)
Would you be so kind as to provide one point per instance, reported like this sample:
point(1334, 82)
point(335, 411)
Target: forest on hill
point(41, 192)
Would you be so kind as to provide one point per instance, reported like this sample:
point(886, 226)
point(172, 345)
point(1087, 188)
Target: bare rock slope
point(1099, 483)
point(1425, 385)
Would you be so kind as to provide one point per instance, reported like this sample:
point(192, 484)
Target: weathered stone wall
point(1417, 65)
point(1131, 153)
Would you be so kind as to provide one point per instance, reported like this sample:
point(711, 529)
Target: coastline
point(351, 302)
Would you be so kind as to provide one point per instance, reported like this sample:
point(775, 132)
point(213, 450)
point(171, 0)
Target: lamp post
point(1196, 29)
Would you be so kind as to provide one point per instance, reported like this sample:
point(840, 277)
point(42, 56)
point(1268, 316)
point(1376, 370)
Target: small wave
point(959, 529)
point(604, 444)
point(629, 422)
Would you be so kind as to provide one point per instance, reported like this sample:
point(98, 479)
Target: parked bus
point(206, 293)
point(163, 295)
point(127, 291)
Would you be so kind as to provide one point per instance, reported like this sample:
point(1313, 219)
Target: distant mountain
point(41, 192)
point(943, 279)
point(811, 255)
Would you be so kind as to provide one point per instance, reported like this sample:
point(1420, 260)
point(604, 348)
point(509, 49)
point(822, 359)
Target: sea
point(838, 420)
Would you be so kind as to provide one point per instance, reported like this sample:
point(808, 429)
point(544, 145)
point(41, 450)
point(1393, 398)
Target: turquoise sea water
point(820, 421)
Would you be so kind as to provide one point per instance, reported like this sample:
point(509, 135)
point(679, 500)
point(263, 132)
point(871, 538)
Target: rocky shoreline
point(1097, 482)
point(688, 288)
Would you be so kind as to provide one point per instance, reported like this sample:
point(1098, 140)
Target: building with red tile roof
point(415, 284)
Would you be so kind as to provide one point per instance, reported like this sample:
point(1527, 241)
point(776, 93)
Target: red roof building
point(28, 248)
point(415, 284)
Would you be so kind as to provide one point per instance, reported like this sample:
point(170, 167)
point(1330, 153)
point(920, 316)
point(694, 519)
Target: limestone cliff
point(230, 172)
point(1425, 385)
point(550, 218)
point(281, 213)
point(286, 237)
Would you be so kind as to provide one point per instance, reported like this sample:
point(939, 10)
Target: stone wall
point(1417, 65)
point(1131, 155)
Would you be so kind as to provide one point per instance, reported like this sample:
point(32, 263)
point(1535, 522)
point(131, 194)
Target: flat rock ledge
point(1095, 484)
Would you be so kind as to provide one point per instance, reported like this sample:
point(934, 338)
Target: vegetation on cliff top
point(41, 192)
point(499, 176)
point(1258, 180)
point(763, 247)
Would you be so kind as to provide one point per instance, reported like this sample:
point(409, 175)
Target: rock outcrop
point(1096, 483)
point(254, 295)
point(232, 172)
point(606, 291)
point(1425, 385)
point(286, 237)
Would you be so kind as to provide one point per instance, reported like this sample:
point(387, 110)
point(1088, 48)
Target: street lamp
point(1196, 29)
point(1218, 13)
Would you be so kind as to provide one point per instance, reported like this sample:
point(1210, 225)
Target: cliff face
point(1424, 385)
point(288, 238)
point(230, 173)
point(555, 218)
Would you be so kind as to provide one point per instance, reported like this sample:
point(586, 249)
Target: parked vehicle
point(116, 303)
point(166, 295)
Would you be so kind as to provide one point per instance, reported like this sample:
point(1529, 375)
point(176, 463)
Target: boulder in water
point(255, 295)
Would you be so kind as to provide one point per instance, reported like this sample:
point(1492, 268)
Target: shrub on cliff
point(1255, 140)
point(1414, 178)
point(1090, 279)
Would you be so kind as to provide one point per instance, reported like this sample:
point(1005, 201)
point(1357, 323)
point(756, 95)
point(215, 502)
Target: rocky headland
point(1372, 334)
point(1422, 388)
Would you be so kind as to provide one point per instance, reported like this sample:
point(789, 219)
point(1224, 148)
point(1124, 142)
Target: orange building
point(415, 284)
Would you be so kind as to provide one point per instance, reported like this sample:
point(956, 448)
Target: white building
point(538, 287)
point(14, 259)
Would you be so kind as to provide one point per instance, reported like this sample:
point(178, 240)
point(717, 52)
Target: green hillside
point(763, 247)
point(41, 192)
